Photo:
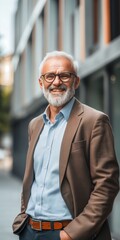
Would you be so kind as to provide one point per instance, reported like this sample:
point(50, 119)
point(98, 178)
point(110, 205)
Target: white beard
point(59, 99)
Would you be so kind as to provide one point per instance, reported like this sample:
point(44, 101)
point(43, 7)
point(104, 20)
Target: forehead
point(57, 64)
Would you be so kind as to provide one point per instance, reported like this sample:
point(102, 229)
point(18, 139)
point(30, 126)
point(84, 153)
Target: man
point(71, 175)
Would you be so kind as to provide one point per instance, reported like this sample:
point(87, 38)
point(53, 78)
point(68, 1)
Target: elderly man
point(71, 175)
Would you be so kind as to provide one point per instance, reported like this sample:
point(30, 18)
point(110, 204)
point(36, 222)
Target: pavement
point(10, 190)
point(10, 194)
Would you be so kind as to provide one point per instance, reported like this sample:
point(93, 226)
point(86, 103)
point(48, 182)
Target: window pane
point(116, 108)
point(94, 93)
point(115, 18)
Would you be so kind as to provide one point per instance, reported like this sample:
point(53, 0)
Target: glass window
point(51, 25)
point(94, 26)
point(95, 21)
point(71, 21)
point(75, 28)
point(115, 88)
point(90, 21)
point(115, 18)
point(94, 93)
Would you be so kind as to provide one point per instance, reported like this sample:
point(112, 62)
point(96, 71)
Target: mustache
point(62, 87)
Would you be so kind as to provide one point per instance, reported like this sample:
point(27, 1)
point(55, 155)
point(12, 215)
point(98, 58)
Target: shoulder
point(93, 121)
point(90, 112)
point(93, 113)
point(91, 116)
point(33, 123)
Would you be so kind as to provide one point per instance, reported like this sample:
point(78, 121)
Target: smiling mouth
point(57, 90)
point(57, 93)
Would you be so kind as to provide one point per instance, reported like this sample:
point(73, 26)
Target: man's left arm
point(104, 174)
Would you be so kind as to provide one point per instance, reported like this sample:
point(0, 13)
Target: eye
point(50, 76)
point(65, 75)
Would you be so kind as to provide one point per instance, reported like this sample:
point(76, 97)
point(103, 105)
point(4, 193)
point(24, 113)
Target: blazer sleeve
point(29, 137)
point(104, 174)
point(21, 218)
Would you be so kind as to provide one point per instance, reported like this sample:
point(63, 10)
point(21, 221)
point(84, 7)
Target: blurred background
point(87, 29)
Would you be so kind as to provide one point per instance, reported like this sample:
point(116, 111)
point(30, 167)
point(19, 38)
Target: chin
point(58, 102)
point(57, 95)
point(60, 99)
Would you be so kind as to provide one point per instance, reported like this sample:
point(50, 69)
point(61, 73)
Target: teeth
point(57, 90)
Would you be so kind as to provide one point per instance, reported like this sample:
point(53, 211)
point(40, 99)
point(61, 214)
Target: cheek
point(43, 85)
point(71, 85)
point(46, 86)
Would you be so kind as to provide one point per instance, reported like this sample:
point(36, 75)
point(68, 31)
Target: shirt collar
point(65, 111)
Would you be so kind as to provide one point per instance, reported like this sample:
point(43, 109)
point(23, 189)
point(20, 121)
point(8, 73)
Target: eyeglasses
point(63, 76)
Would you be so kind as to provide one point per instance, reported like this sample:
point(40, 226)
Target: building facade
point(90, 31)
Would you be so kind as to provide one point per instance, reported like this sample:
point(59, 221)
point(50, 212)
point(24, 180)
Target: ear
point(77, 82)
point(40, 82)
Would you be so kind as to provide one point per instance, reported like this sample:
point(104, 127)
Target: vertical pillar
point(106, 21)
point(82, 30)
point(95, 21)
point(60, 25)
point(46, 13)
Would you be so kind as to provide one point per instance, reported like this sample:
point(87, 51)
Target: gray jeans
point(29, 234)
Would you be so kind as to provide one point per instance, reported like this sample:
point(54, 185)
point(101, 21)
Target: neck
point(53, 111)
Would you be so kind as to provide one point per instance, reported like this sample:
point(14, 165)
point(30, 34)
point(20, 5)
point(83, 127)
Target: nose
point(57, 80)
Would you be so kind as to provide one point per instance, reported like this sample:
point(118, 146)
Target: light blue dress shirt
point(46, 202)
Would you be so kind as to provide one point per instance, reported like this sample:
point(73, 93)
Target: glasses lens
point(49, 77)
point(65, 76)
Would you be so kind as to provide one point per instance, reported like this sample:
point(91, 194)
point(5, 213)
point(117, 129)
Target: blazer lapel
point(71, 128)
point(37, 127)
point(36, 133)
point(29, 173)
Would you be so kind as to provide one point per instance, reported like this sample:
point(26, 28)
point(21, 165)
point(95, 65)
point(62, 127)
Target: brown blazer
point(88, 173)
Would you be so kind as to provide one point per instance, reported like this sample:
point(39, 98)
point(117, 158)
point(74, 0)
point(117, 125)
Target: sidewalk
point(10, 194)
point(10, 189)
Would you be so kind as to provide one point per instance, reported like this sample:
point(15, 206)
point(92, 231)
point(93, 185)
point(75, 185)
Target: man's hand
point(64, 235)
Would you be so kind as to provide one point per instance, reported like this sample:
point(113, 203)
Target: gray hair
point(59, 54)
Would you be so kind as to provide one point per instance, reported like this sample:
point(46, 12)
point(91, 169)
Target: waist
point(47, 225)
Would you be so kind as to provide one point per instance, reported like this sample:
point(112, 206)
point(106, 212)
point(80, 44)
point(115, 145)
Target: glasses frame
point(58, 74)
